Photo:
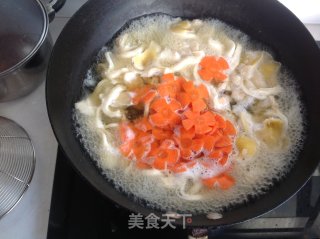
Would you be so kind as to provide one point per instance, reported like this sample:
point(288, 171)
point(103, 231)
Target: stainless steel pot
point(25, 45)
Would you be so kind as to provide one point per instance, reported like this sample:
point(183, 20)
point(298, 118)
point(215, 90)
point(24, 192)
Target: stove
point(78, 211)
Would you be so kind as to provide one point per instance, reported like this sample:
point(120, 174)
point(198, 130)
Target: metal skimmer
point(17, 163)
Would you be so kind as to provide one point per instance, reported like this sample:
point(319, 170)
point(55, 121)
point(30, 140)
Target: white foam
point(252, 176)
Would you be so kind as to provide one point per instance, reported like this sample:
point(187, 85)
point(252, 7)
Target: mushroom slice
point(109, 99)
point(246, 146)
point(183, 28)
point(272, 132)
point(103, 87)
point(269, 69)
point(141, 61)
point(122, 101)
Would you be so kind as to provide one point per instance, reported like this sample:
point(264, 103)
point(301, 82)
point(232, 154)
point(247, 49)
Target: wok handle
point(54, 6)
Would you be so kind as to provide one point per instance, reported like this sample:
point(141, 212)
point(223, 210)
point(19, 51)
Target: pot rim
point(36, 47)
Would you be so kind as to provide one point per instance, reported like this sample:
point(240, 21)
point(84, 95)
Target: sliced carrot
point(142, 165)
point(215, 154)
point(126, 148)
point(169, 89)
point(210, 118)
point(197, 145)
point(212, 68)
point(205, 75)
point(218, 76)
point(223, 142)
point(179, 168)
point(209, 142)
point(161, 134)
point(158, 120)
point(208, 62)
point(165, 112)
point(209, 182)
point(225, 181)
point(202, 128)
point(203, 91)
point(222, 161)
point(187, 133)
point(227, 149)
point(186, 143)
point(144, 95)
point(187, 124)
point(186, 153)
point(166, 90)
point(183, 167)
point(230, 129)
point(158, 104)
point(167, 77)
point(187, 86)
point(159, 163)
point(184, 99)
point(154, 149)
point(201, 122)
point(126, 131)
point(143, 124)
point(198, 105)
point(139, 149)
point(223, 64)
point(180, 131)
point(165, 157)
point(148, 97)
point(221, 122)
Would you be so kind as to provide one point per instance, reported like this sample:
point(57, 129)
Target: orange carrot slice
point(230, 129)
point(225, 181)
point(197, 145)
point(167, 77)
point(221, 122)
point(209, 182)
point(198, 105)
point(165, 157)
point(143, 124)
point(222, 161)
point(203, 91)
point(212, 68)
point(142, 165)
point(209, 142)
point(187, 124)
point(161, 134)
point(184, 99)
point(226, 150)
point(223, 142)
point(187, 133)
point(205, 75)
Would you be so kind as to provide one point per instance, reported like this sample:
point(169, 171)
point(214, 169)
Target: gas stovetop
point(78, 211)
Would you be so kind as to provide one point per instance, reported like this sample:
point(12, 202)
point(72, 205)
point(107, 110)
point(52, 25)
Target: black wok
point(265, 21)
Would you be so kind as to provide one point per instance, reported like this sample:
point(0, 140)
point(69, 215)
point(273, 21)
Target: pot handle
point(54, 6)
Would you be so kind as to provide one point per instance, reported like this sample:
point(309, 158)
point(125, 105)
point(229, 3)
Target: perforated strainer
point(17, 163)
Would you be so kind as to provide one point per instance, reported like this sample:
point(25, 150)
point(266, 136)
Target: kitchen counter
point(29, 219)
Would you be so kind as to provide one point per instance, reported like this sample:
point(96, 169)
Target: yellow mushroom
point(269, 69)
point(246, 146)
point(181, 27)
point(272, 132)
point(141, 61)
